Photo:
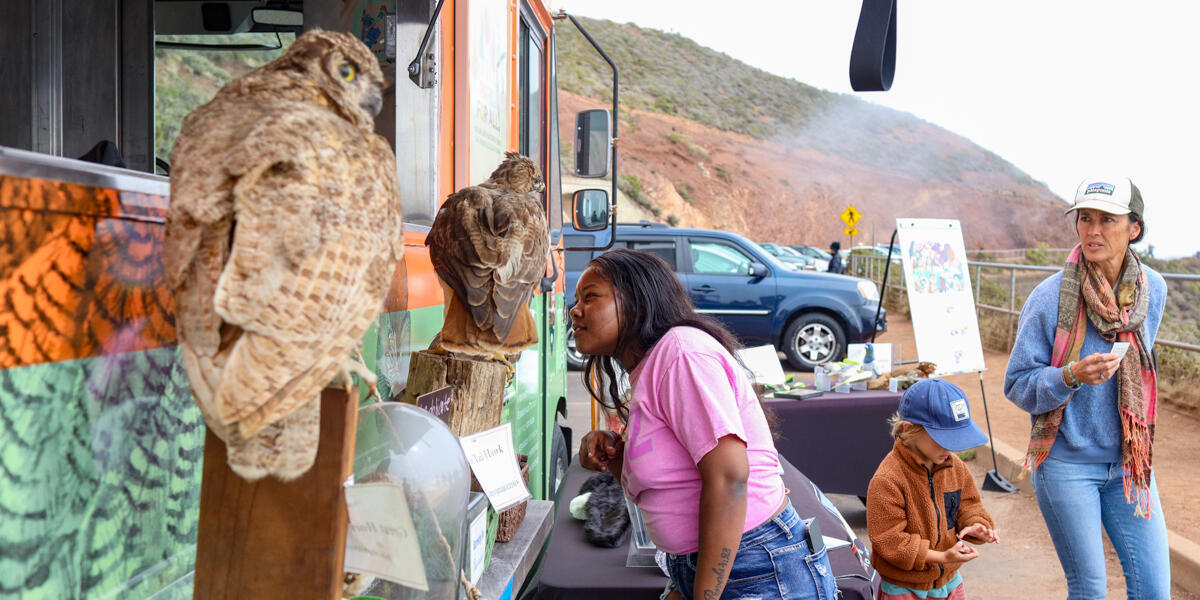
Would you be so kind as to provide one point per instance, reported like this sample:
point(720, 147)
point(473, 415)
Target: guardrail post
point(1012, 307)
point(978, 282)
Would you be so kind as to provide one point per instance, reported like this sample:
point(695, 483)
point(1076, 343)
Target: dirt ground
point(1024, 561)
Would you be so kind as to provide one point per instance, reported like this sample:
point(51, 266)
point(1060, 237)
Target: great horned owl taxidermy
point(282, 236)
point(489, 244)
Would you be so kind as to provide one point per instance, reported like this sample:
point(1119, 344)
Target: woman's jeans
point(773, 561)
point(1076, 499)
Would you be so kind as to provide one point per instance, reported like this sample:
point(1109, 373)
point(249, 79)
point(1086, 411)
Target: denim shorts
point(773, 561)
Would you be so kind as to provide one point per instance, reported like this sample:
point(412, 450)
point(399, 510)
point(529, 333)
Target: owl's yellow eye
point(347, 71)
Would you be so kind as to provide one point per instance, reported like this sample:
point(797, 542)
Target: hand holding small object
point(1093, 369)
point(979, 531)
point(960, 553)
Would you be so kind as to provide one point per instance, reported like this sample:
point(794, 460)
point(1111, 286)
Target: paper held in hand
point(494, 463)
point(1119, 348)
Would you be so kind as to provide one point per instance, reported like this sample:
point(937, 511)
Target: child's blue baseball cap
point(942, 409)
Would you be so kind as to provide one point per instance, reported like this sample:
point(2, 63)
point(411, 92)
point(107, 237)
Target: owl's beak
point(373, 103)
point(539, 187)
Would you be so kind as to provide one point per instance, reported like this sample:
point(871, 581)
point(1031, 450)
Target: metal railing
point(872, 267)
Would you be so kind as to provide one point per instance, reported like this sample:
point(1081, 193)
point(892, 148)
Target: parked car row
point(808, 315)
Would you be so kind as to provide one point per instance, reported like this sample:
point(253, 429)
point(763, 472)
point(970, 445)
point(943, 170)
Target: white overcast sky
point(1060, 88)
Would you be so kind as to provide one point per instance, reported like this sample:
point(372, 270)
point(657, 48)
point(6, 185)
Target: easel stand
point(271, 539)
point(993, 481)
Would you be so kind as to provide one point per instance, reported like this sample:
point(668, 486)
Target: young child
point(922, 502)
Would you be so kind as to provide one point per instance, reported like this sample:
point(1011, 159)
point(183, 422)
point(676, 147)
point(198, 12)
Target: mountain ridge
point(709, 141)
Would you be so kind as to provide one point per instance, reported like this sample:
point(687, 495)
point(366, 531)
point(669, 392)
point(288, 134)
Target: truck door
point(720, 283)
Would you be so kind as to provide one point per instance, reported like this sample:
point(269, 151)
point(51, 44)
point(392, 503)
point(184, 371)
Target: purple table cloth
point(837, 440)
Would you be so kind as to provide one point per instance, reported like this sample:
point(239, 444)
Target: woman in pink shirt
point(697, 455)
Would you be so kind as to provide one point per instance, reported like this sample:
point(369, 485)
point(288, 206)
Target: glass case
point(406, 445)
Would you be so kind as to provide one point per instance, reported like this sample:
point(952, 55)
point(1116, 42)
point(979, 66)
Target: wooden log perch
point(275, 539)
point(477, 389)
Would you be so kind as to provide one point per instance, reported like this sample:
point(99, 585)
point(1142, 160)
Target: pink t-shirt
point(688, 392)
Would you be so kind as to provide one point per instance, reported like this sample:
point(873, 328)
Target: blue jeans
point(1076, 499)
point(773, 562)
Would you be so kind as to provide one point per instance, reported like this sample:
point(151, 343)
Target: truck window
point(185, 78)
point(664, 250)
point(578, 260)
point(713, 258)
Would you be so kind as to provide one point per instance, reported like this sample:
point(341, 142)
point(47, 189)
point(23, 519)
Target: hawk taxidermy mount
point(489, 244)
point(282, 236)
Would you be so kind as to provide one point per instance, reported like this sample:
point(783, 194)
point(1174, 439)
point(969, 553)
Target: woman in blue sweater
point(1092, 403)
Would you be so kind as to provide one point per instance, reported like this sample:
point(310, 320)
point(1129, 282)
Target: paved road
point(1022, 566)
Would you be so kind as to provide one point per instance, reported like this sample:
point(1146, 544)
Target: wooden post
point(477, 389)
point(274, 539)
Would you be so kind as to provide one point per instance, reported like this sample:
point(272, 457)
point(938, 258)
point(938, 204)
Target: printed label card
point(380, 537)
point(494, 463)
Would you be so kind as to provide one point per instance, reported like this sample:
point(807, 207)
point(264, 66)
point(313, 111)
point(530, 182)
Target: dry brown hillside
point(770, 192)
point(713, 142)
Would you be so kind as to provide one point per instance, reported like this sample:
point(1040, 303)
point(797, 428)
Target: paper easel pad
point(380, 537)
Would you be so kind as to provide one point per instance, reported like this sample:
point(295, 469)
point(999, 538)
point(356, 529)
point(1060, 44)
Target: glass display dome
point(406, 445)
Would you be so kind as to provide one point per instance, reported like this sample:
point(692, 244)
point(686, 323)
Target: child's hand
point(960, 553)
point(979, 534)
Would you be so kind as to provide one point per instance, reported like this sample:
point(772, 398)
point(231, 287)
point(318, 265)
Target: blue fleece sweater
point(1091, 428)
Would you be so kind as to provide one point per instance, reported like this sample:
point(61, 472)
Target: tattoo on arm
point(719, 571)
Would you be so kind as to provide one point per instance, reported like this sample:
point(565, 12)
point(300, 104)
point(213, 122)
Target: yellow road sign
point(850, 216)
point(851, 231)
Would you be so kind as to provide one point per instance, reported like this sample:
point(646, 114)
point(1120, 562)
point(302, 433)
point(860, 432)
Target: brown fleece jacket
point(911, 510)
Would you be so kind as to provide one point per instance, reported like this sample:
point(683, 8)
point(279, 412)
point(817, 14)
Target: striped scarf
point(1117, 317)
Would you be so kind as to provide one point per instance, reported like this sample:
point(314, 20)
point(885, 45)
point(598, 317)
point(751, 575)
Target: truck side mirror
point(758, 270)
point(590, 210)
point(593, 142)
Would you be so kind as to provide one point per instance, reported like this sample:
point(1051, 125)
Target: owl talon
point(510, 369)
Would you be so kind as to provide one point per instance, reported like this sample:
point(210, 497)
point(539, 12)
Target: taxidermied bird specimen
point(282, 236)
point(489, 244)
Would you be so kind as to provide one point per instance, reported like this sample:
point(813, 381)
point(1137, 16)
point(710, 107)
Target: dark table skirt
point(837, 440)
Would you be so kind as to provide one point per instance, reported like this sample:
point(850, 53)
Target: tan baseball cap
point(1113, 195)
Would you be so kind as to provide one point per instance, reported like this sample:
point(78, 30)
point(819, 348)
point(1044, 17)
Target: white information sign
point(939, 294)
point(478, 535)
point(380, 537)
point(494, 463)
point(763, 362)
point(488, 23)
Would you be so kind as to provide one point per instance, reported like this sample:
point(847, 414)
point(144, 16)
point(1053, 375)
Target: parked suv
point(810, 316)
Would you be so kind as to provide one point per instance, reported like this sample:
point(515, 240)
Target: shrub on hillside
point(685, 191)
point(693, 148)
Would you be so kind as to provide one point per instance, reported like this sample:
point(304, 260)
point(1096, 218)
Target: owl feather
point(283, 232)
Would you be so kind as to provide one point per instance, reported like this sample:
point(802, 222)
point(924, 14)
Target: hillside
point(709, 141)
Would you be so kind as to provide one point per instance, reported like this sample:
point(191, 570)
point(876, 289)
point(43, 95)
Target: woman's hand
point(979, 531)
point(1095, 369)
point(598, 449)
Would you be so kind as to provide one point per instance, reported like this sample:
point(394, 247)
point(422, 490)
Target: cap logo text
point(961, 412)
point(1100, 188)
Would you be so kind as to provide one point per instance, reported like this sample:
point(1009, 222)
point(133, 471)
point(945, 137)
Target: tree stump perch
point(477, 389)
point(276, 539)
